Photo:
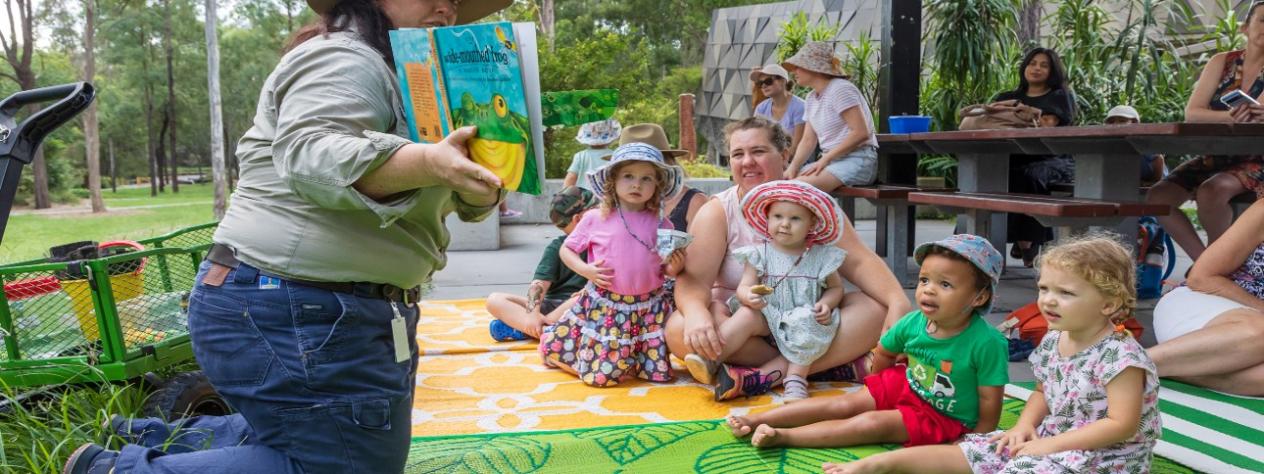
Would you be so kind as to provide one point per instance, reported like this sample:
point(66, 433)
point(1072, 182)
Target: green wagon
point(110, 319)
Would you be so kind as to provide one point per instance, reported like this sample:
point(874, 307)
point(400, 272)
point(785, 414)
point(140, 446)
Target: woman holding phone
point(1234, 77)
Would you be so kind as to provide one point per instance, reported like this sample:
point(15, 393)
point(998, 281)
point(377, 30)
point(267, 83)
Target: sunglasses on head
point(768, 81)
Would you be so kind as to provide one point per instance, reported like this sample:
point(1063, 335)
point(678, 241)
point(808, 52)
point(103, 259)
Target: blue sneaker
point(90, 458)
point(503, 333)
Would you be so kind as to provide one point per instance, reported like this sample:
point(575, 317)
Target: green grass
point(133, 215)
point(38, 434)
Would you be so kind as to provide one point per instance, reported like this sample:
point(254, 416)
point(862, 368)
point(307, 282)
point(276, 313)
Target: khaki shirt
point(329, 113)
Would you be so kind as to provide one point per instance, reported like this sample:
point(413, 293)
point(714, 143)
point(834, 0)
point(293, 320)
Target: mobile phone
point(1236, 98)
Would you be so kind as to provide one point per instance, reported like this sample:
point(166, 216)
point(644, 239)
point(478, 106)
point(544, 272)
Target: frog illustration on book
point(503, 143)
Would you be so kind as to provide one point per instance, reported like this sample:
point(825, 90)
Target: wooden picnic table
point(1107, 157)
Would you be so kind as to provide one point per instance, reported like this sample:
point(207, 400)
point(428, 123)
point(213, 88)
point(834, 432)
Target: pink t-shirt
point(637, 269)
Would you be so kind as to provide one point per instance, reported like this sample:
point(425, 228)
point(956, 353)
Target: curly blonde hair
point(610, 200)
point(1102, 260)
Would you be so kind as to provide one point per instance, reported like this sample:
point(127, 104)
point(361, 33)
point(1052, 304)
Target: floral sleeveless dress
point(1250, 276)
point(1075, 389)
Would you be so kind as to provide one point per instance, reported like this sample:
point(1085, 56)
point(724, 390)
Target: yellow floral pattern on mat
point(468, 383)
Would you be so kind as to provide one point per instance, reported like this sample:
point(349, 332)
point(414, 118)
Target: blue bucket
point(909, 124)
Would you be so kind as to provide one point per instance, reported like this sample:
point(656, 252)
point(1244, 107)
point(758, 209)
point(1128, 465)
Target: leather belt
point(224, 255)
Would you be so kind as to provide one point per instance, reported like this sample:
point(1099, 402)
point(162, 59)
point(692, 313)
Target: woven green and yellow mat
point(660, 448)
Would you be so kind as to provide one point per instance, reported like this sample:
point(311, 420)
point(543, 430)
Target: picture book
point(486, 75)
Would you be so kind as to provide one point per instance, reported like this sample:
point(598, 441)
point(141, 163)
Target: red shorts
point(926, 425)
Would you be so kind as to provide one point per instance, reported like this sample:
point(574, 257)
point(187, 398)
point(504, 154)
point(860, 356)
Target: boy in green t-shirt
point(956, 372)
point(552, 288)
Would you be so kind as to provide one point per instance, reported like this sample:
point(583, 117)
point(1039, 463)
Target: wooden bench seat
point(896, 221)
point(1037, 205)
point(1067, 215)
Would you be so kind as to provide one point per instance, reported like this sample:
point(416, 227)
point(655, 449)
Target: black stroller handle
point(18, 141)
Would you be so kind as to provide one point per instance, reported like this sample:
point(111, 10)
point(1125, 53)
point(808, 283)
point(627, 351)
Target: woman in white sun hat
point(597, 136)
point(304, 314)
point(838, 120)
point(773, 82)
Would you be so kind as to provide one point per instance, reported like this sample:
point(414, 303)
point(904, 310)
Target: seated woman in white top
point(838, 119)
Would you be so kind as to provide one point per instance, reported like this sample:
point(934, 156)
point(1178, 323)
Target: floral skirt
point(1248, 169)
point(607, 337)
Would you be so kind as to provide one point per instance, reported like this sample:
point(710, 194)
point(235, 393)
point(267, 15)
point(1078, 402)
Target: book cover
point(485, 75)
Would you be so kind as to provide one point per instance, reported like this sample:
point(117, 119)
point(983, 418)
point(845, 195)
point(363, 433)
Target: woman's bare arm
point(1211, 272)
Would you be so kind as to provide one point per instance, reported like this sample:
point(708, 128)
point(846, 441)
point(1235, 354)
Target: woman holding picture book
point(303, 315)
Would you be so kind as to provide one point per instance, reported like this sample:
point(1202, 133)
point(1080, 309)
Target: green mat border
point(466, 452)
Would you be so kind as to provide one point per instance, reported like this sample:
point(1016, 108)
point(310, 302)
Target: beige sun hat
point(818, 57)
point(467, 11)
point(652, 134)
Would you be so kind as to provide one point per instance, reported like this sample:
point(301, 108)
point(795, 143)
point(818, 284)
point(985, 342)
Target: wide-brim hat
point(978, 251)
point(601, 132)
point(770, 70)
point(827, 230)
point(644, 152)
point(651, 134)
point(818, 57)
point(467, 11)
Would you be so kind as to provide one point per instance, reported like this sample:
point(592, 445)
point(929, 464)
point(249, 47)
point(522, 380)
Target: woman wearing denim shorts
point(838, 121)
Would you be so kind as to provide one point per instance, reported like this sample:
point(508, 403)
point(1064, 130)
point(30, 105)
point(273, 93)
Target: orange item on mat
point(1032, 327)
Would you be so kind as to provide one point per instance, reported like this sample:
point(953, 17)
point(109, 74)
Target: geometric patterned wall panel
point(745, 38)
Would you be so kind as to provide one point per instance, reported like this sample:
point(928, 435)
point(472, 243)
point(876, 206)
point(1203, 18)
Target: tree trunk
point(1029, 23)
point(150, 138)
point(547, 21)
point(171, 99)
point(217, 116)
point(113, 174)
point(91, 131)
point(18, 55)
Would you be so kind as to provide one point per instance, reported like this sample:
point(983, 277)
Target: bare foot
point(854, 467)
point(739, 425)
point(765, 437)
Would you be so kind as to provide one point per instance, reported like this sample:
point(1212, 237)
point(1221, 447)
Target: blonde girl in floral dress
point(1095, 407)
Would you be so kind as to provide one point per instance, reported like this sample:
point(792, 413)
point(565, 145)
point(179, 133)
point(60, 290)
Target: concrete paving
point(475, 274)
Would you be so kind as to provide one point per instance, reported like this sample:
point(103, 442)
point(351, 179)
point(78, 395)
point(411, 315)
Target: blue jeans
point(311, 373)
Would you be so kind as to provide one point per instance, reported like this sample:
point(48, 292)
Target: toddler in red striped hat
point(791, 289)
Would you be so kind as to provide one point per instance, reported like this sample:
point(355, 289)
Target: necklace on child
point(633, 234)
point(788, 271)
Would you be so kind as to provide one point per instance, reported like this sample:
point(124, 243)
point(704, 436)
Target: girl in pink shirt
point(615, 330)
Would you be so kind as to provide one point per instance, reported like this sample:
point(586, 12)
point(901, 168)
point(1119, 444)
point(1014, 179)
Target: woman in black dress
point(1042, 84)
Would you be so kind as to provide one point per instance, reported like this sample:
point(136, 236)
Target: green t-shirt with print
point(947, 373)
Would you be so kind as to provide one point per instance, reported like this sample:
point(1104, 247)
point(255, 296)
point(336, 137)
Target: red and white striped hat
point(828, 228)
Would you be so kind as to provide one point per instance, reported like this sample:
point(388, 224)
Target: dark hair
point(1250, 11)
point(365, 16)
point(981, 279)
point(1057, 73)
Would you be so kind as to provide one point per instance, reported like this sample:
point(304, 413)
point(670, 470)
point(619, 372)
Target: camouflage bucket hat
point(568, 203)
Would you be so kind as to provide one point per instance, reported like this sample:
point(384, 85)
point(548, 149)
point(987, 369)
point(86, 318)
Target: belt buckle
point(389, 292)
